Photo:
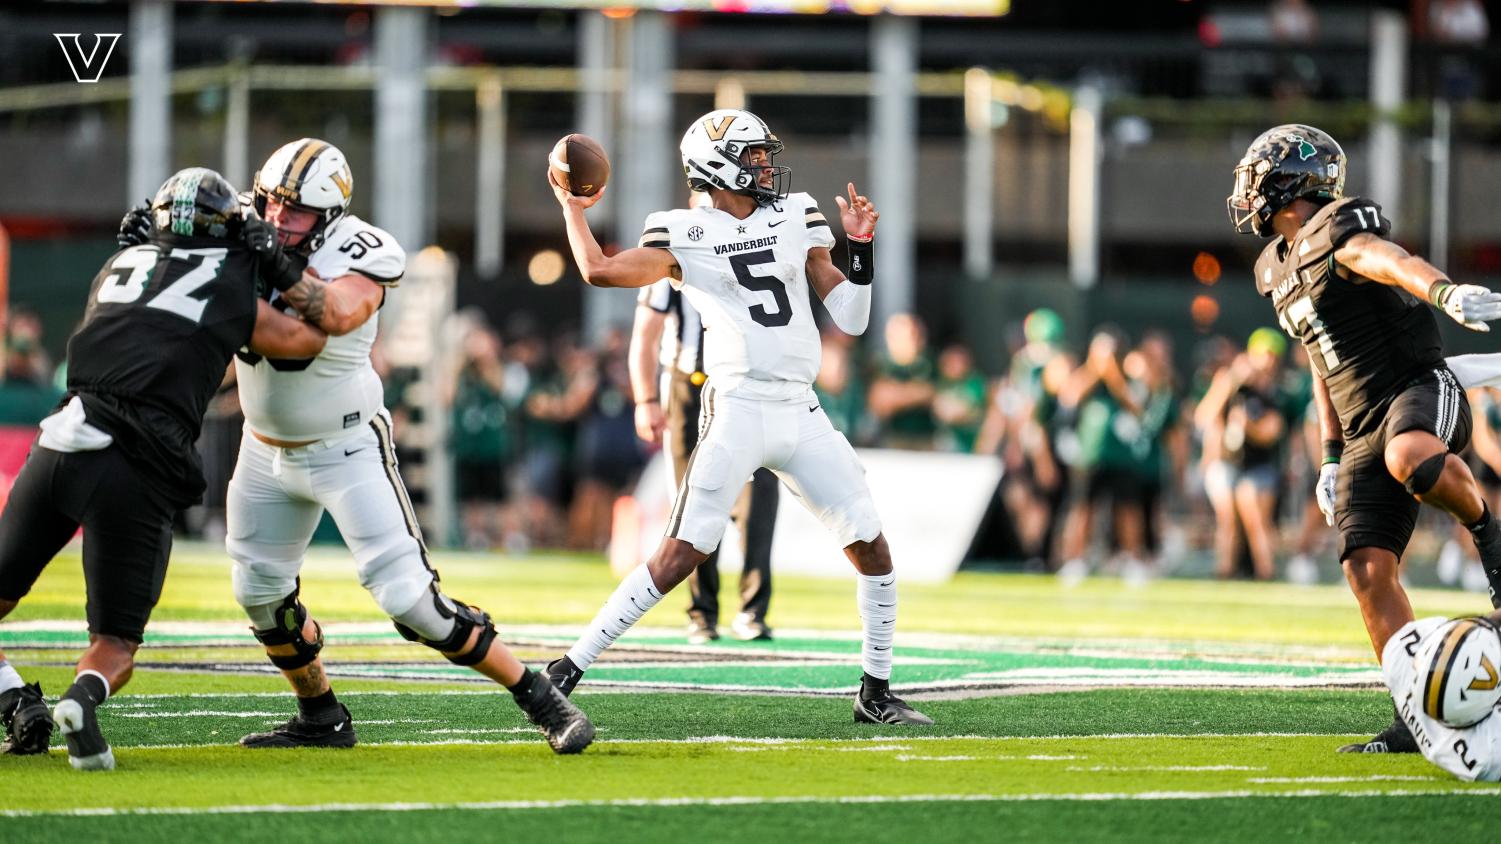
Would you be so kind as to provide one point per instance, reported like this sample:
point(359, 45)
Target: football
point(579, 165)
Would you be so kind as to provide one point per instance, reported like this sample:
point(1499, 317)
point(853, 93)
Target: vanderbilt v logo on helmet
point(716, 128)
point(311, 175)
point(716, 150)
point(1456, 683)
point(1286, 163)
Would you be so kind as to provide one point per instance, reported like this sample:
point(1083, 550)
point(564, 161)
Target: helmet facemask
point(314, 236)
point(748, 179)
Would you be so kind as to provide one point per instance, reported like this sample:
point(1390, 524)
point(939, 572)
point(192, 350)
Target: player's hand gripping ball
point(578, 164)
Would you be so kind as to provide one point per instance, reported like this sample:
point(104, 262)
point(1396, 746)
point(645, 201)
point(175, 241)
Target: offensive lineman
point(317, 435)
point(164, 318)
point(1442, 675)
point(1392, 414)
point(746, 263)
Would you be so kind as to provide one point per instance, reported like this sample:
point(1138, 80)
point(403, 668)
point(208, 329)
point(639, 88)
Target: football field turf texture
point(1181, 710)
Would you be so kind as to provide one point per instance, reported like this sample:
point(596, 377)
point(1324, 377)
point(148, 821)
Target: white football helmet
point(1457, 680)
point(714, 150)
point(311, 175)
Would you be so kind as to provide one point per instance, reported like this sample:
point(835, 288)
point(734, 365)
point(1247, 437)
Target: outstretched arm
point(636, 267)
point(1384, 262)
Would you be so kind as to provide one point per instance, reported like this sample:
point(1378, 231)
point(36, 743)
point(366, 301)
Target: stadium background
point(1068, 155)
point(1025, 154)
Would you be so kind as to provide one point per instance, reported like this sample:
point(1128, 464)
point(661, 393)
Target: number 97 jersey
point(747, 279)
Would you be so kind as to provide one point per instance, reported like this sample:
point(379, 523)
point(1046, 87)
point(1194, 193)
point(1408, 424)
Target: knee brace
point(445, 626)
point(281, 624)
point(1426, 475)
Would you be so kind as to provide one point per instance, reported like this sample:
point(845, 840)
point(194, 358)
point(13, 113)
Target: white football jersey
point(746, 279)
point(1472, 753)
point(337, 391)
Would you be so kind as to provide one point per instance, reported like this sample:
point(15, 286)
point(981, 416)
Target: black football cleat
point(27, 721)
point(300, 732)
point(1396, 738)
point(877, 705)
point(87, 749)
point(567, 728)
point(564, 674)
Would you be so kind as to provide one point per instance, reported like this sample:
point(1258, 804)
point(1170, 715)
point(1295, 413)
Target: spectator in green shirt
point(479, 437)
point(26, 394)
point(840, 393)
point(959, 403)
point(901, 397)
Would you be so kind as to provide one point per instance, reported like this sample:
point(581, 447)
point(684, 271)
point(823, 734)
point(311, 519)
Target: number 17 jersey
point(747, 280)
point(1365, 339)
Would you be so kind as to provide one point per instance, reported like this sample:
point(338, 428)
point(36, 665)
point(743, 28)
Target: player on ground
point(1443, 678)
point(1393, 416)
point(317, 435)
point(163, 319)
point(746, 263)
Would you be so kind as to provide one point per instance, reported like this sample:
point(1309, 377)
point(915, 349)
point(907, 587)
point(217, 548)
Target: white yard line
point(780, 742)
point(679, 802)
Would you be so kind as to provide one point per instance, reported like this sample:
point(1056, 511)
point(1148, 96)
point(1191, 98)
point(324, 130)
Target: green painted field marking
point(800, 662)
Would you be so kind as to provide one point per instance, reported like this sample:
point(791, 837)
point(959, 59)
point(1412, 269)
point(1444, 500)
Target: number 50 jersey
point(1365, 339)
point(747, 280)
point(337, 391)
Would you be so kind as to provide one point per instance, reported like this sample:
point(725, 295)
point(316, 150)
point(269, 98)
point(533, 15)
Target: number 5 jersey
point(1366, 340)
point(337, 391)
point(747, 279)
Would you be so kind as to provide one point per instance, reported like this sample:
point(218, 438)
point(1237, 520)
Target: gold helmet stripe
point(291, 181)
point(1443, 660)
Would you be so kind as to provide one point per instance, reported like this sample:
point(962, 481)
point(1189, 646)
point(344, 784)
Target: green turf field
point(1176, 711)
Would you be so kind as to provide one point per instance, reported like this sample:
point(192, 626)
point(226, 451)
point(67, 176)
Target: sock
point(632, 598)
point(523, 687)
point(872, 688)
point(321, 709)
point(92, 685)
point(9, 679)
point(1487, 534)
point(876, 595)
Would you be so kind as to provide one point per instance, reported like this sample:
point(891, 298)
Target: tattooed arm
point(338, 306)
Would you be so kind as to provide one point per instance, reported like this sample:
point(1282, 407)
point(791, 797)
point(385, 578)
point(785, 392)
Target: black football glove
point(135, 226)
point(278, 268)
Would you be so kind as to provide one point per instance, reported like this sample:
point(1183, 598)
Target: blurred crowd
point(1116, 458)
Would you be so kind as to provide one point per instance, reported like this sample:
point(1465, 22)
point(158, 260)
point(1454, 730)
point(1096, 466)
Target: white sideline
point(675, 802)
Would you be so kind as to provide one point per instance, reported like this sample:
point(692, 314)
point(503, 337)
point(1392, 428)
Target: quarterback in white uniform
point(1442, 674)
point(746, 260)
point(317, 436)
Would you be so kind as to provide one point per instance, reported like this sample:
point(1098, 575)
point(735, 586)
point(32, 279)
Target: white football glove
point(1324, 490)
point(1469, 305)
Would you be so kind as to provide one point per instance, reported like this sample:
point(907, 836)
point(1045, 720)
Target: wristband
point(862, 260)
point(1437, 291)
point(1333, 451)
point(649, 400)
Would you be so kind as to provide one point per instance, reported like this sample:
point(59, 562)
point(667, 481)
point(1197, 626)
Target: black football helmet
point(198, 202)
point(1287, 162)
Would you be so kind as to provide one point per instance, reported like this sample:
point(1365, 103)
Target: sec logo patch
point(695, 234)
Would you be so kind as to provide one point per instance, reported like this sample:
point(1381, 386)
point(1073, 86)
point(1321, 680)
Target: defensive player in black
point(163, 321)
point(1392, 415)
